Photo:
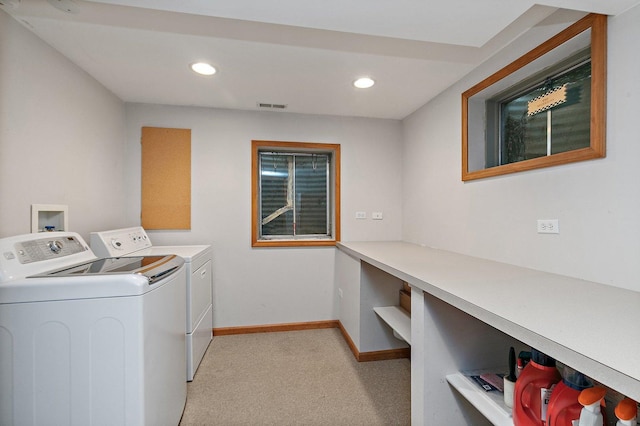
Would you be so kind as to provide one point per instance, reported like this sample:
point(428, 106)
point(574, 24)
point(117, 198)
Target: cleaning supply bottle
point(533, 390)
point(564, 407)
point(626, 412)
point(510, 379)
point(591, 399)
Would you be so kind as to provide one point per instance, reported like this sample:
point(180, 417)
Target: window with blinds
point(295, 193)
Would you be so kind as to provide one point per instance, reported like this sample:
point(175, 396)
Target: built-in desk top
point(591, 327)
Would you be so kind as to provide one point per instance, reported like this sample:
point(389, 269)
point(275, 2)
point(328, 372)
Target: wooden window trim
point(256, 146)
point(598, 25)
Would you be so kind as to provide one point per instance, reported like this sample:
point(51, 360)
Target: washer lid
point(153, 268)
point(102, 278)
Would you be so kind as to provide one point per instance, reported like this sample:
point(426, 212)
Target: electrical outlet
point(548, 226)
point(340, 293)
point(376, 215)
point(361, 215)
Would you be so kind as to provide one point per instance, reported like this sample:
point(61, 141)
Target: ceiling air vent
point(271, 106)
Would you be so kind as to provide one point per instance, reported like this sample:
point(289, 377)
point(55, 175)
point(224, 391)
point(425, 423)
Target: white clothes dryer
point(199, 290)
point(85, 340)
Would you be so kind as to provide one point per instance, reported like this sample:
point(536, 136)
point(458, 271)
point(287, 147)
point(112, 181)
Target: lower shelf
point(398, 319)
point(490, 404)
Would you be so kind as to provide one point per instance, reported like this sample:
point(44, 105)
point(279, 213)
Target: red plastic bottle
point(533, 390)
point(564, 406)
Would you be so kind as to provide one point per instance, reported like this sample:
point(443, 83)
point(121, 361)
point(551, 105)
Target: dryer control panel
point(119, 242)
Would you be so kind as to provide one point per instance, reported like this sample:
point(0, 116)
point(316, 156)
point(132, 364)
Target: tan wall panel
point(166, 178)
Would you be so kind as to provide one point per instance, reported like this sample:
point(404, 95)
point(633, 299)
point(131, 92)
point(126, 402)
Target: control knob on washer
point(55, 246)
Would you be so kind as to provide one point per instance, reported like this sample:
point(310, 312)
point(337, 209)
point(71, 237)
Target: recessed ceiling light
point(203, 68)
point(364, 83)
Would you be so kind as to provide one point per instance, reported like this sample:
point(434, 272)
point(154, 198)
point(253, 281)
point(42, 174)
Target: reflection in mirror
point(544, 109)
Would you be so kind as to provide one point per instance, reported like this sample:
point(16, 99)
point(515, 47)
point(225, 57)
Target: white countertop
point(591, 327)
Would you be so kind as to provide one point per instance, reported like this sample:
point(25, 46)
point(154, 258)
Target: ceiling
point(298, 53)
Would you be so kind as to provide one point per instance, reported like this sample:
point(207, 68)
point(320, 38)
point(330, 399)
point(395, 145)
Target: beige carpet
point(295, 378)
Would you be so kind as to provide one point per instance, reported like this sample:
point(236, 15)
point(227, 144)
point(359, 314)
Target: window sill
point(293, 243)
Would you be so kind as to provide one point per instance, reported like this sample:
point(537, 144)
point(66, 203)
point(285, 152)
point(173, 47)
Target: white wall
point(270, 285)
point(61, 137)
point(596, 202)
point(64, 140)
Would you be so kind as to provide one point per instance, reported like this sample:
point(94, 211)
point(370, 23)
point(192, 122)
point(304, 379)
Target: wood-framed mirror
point(546, 108)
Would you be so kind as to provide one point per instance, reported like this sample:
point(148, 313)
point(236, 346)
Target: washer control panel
point(47, 248)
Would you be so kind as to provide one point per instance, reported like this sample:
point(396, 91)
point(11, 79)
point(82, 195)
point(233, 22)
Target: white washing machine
point(89, 341)
point(199, 300)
